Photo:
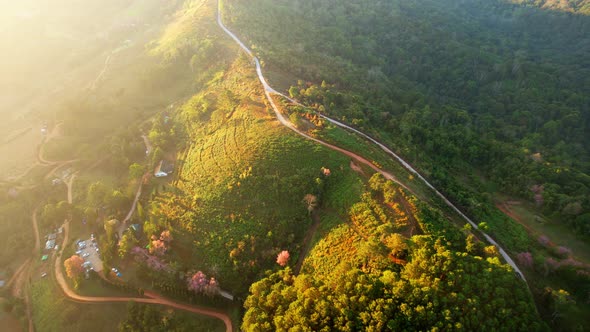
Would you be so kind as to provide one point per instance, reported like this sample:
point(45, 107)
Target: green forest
point(265, 224)
point(481, 87)
point(488, 99)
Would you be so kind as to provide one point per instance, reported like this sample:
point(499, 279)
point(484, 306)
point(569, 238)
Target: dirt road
point(154, 298)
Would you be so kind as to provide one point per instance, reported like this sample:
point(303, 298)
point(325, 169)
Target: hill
point(479, 96)
point(309, 234)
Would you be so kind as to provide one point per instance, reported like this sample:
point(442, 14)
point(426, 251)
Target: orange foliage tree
point(74, 268)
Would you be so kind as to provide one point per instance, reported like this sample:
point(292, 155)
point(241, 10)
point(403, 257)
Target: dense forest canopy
point(366, 276)
point(457, 86)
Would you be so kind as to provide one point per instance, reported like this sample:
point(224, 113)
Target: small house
point(163, 169)
point(49, 244)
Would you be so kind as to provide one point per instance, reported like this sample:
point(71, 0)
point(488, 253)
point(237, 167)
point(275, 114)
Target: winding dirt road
point(268, 90)
point(154, 298)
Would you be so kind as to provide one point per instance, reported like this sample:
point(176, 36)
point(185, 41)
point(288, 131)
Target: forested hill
point(576, 6)
point(470, 88)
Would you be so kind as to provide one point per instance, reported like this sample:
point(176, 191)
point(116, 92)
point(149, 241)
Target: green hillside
point(486, 98)
point(249, 223)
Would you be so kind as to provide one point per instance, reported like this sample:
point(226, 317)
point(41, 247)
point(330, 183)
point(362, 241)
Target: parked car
point(44, 274)
point(86, 255)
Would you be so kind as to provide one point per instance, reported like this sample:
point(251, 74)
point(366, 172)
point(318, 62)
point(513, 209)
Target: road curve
point(155, 299)
point(268, 90)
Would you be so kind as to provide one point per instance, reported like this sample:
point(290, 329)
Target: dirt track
point(154, 298)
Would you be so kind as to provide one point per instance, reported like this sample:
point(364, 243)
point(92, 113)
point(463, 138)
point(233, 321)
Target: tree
point(197, 282)
point(97, 193)
point(128, 241)
point(110, 227)
point(74, 268)
point(397, 244)
point(166, 236)
point(311, 201)
point(295, 120)
point(158, 247)
point(283, 258)
point(117, 200)
point(136, 171)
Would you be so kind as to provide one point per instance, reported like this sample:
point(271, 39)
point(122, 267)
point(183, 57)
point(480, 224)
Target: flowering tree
point(199, 283)
point(525, 259)
point(283, 258)
point(544, 241)
point(551, 264)
point(153, 262)
point(166, 236)
point(74, 268)
point(326, 171)
point(563, 251)
point(158, 247)
point(212, 288)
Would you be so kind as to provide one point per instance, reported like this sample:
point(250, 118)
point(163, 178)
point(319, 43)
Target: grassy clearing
point(63, 148)
point(53, 312)
point(559, 234)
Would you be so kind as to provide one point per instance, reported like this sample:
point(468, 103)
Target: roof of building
point(164, 166)
point(158, 169)
point(50, 244)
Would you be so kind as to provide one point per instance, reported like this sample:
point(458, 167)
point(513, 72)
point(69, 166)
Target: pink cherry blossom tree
point(283, 258)
point(525, 259)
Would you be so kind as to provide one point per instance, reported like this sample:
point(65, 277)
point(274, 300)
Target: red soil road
point(505, 208)
point(154, 298)
point(16, 273)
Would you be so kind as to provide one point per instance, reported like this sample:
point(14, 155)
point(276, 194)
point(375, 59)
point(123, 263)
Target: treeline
point(456, 87)
point(149, 318)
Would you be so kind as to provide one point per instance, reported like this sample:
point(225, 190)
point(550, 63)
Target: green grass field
point(53, 312)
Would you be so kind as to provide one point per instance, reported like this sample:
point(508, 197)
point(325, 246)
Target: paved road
point(268, 90)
